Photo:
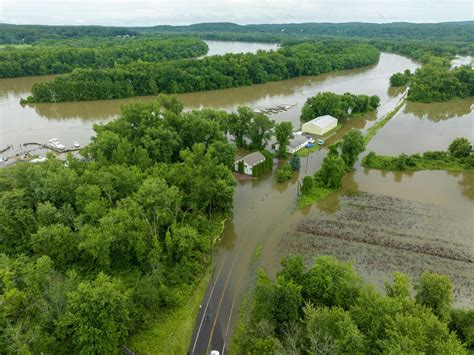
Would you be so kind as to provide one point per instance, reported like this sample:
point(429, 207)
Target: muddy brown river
point(266, 211)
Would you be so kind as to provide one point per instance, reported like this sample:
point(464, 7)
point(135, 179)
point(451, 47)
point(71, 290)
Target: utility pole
point(307, 158)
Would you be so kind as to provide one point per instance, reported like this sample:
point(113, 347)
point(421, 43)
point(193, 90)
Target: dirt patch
point(383, 234)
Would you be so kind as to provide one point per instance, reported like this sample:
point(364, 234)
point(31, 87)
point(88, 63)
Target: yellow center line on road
point(232, 309)
point(213, 285)
point(222, 296)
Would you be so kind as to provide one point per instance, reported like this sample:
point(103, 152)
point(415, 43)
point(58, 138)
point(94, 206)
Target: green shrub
point(307, 185)
point(295, 162)
point(284, 173)
point(460, 148)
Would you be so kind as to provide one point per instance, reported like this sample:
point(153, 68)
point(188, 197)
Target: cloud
point(148, 12)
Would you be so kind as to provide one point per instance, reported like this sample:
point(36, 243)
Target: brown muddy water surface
point(265, 211)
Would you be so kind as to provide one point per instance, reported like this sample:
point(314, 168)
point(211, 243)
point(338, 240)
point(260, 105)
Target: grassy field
point(171, 333)
point(318, 194)
point(414, 162)
point(303, 153)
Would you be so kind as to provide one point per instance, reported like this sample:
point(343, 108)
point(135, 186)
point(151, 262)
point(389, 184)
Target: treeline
point(339, 106)
point(27, 34)
point(459, 157)
point(92, 251)
point(436, 81)
point(401, 30)
point(327, 309)
point(401, 79)
point(65, 56)
point(417, 41)
point(210, 73)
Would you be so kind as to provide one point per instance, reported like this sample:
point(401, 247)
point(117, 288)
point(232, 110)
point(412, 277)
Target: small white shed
point(320, 125)
point(250, 160)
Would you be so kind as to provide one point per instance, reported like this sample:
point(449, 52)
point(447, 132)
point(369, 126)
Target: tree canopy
point(63, 56)
point(436, 81)
point(92, 249)
point(210, 73)
point(339, 106)
point(326, 308)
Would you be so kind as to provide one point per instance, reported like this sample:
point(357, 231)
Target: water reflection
point(420, 127)
point(20, 86)
point(439, 111)
point(230, 236)
point(466, 183)
point(395, 91)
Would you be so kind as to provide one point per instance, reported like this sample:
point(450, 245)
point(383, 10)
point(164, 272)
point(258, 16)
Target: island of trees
point(338, 106)
point(436, 81)
point(216, 72)
point(64, 56)
point(459, 157)
point(327, 309)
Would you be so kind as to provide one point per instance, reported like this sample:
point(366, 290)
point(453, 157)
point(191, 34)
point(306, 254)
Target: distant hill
point(440, 31)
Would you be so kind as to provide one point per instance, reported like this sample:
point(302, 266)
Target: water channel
point(263, 209)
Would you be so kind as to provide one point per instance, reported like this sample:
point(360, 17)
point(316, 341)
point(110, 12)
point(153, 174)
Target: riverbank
point(416, 162)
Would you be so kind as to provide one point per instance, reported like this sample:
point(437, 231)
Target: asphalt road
point(217, 308)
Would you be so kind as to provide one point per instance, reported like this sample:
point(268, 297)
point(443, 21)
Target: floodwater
point(73, 121)
point(419, 127)
point(221, 48)
point(461, 60)
point(265, 210)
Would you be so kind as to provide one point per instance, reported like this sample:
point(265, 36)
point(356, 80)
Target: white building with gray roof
point(250, 160)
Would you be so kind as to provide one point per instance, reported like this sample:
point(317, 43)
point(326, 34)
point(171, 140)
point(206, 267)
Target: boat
point(320, 141)
point(76, 144)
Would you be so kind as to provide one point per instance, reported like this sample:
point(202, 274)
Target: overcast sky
point(154, 12)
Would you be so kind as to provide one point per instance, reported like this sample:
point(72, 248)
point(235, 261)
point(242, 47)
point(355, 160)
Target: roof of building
point(253, 158)
point(297, 140)
point(322, 121)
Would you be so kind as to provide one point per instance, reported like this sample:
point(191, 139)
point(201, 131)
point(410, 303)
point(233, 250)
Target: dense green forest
point(93, 250)
point(436, 81)
point(327, 309)
point(417, 41)
point(339, 106)
point(459, 157)
point(61, 58)
point(27, 34)
point(439, 31)
point(215, 72)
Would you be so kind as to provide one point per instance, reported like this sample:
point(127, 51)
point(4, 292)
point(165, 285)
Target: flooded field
point(419, 127)
point(383, 234)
